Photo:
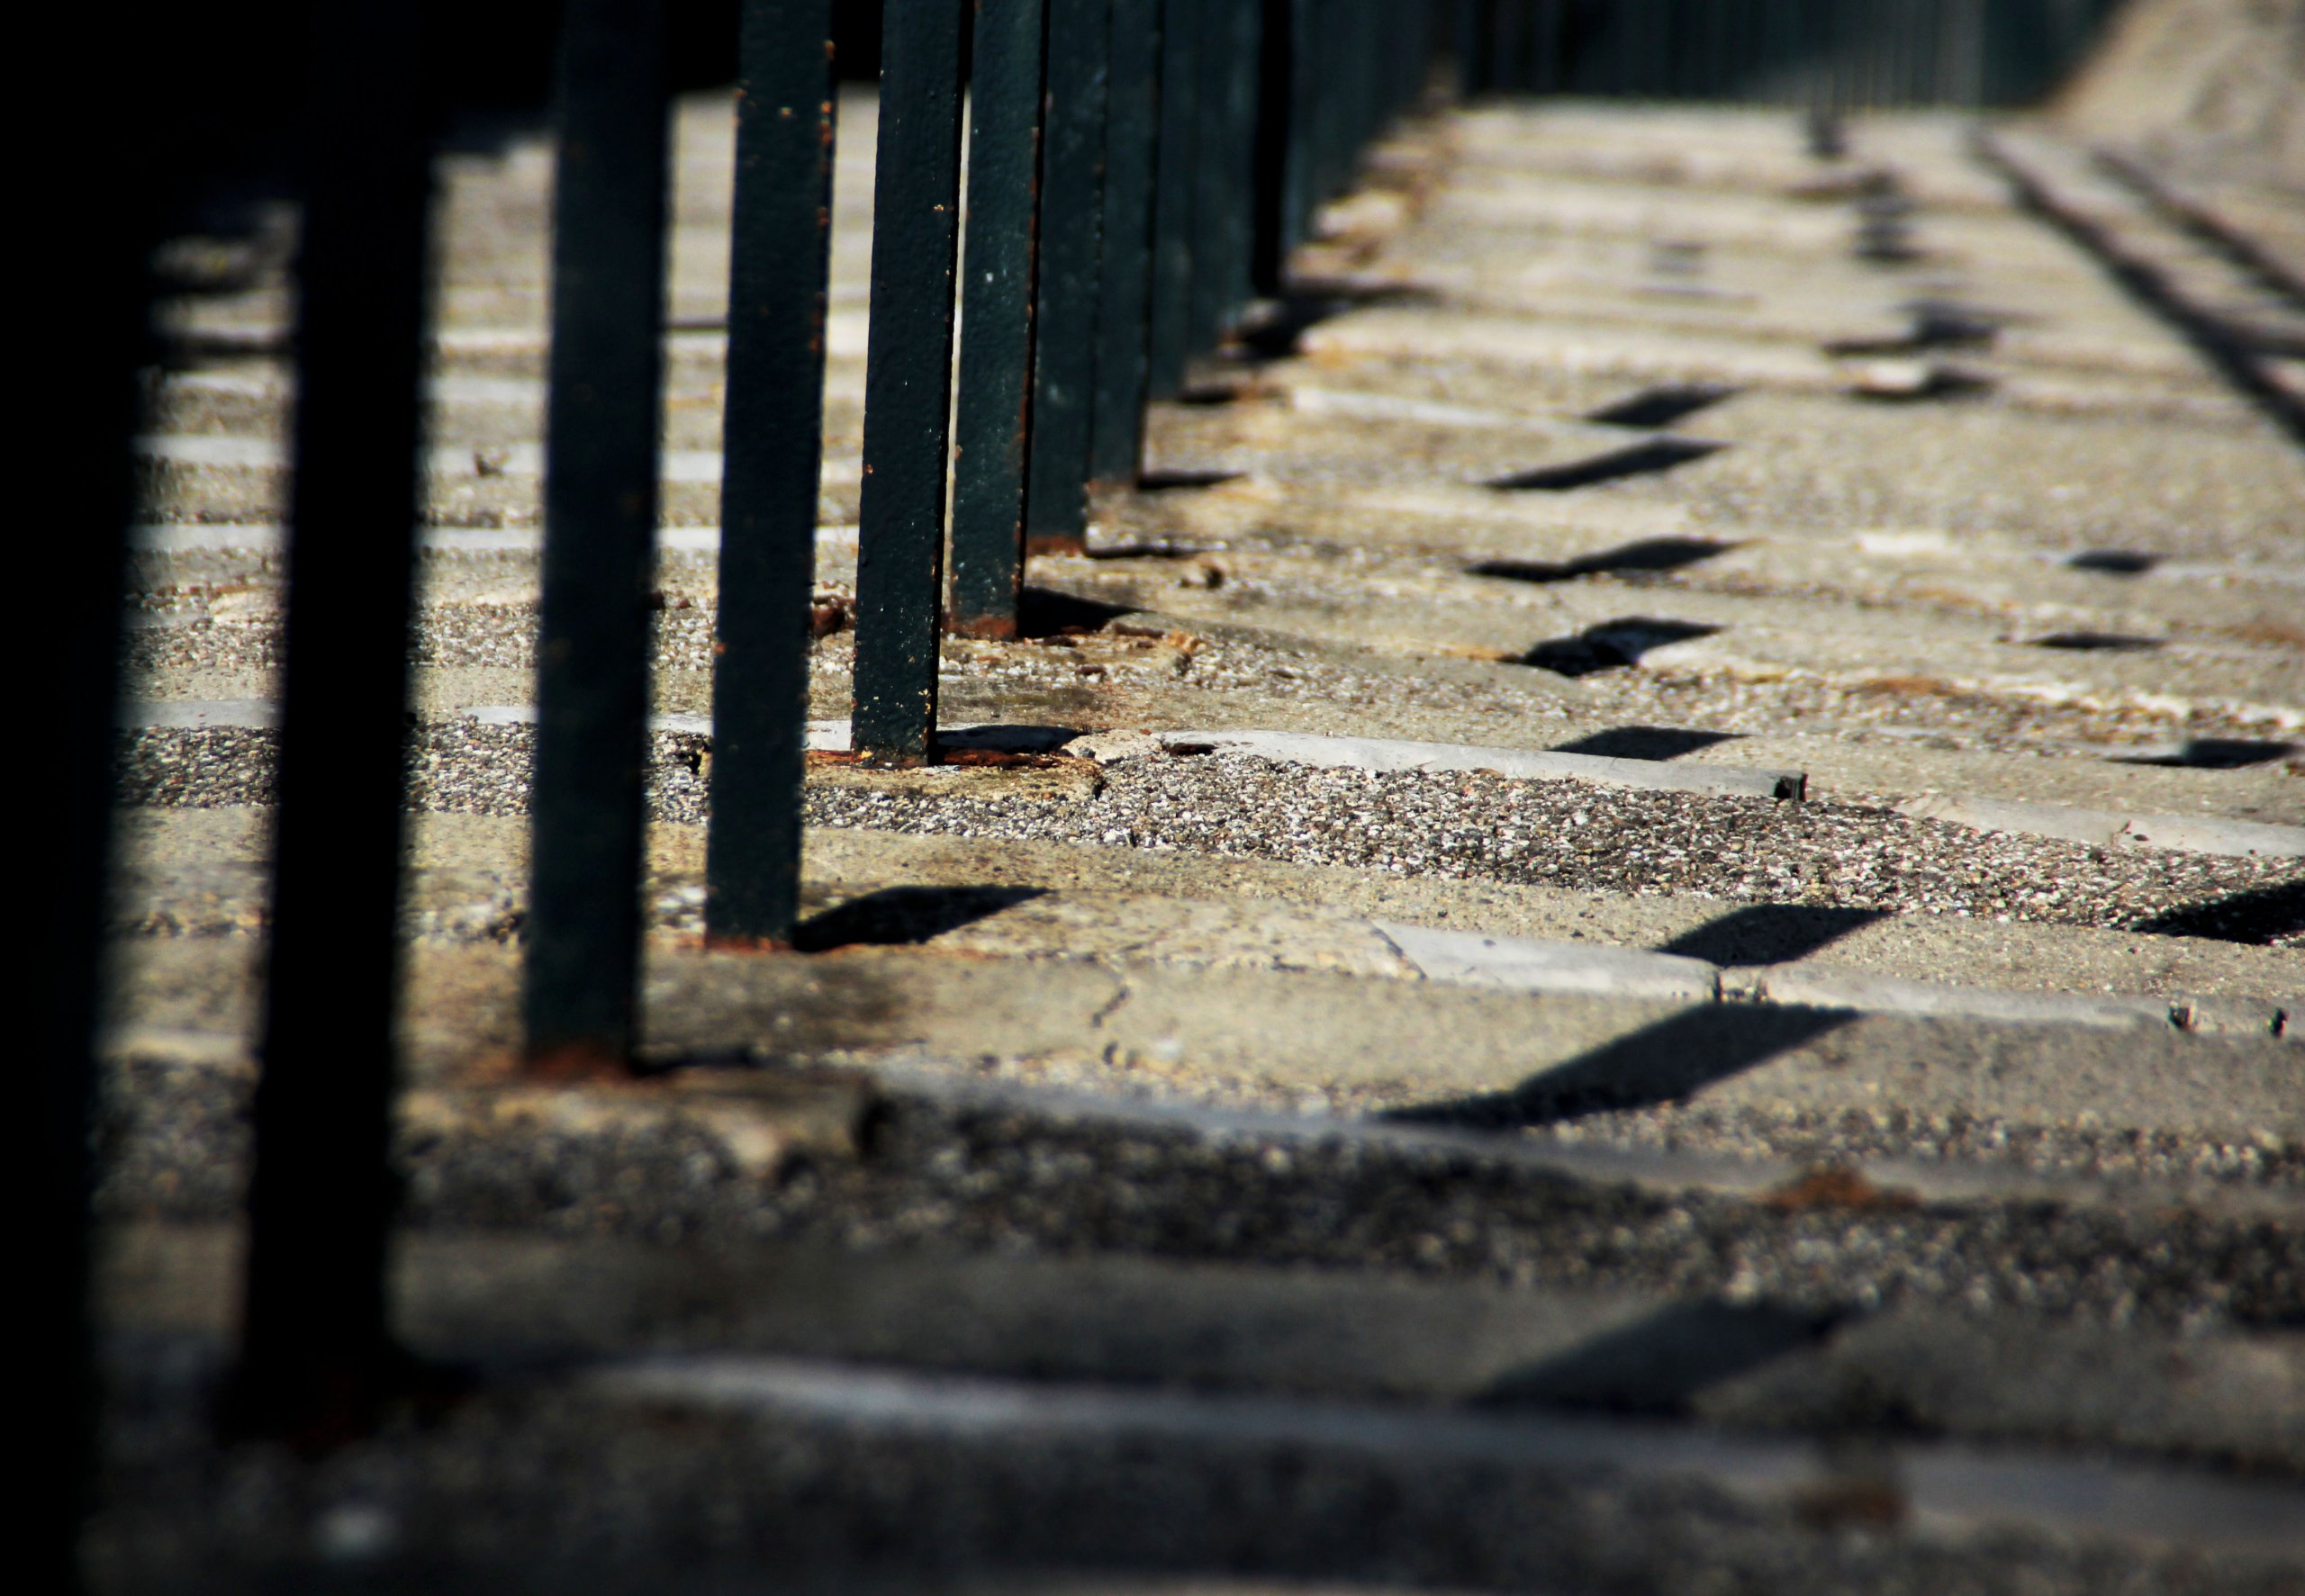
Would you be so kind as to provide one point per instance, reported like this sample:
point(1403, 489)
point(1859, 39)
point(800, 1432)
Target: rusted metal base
point(999, 628)
point(574, 1063)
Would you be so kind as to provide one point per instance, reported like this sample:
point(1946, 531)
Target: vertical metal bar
point(1056, 513)
point(601, 428)
point(1369, 78)
point(908, 381)
point(994, 407)
point(314, 1349)
point(1236, 239)
point(1324, 100)
point(1466, 56)
point(1168, 315)
point(1214, 149)
point(1275, 120)
point(1549, 64)
point(1305, 111)
point(80, 437)
point(771, 439)
point(1509, 45)
point(1132, 119)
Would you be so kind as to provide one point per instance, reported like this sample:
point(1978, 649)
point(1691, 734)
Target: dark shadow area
point(899, 916)
point(1044, 612)
point(1649, 554)
point(1887, 240)
point(1824, 134)
point(1209, 396)
point(1662, 1363)
point(1151, 549)
point(1884, 229)
point(1677, 258)
point(1645, 742)
point(2114, 562)
point(1165, 482)
point(1006, 737)
point(1936, 326)
point(2097, 642)
point(2216, 753)
point(2268, 271)
point(1662, 407)
point(1641, 459)
point(1276, 332)
point(1770, 932)
point(2210, 335)
point(1611, 644)
point(2255, 916)
point(1659, 1063)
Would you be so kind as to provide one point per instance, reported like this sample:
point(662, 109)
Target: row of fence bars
point(1141, 170)
point(1138, 172)
point(1834, 55)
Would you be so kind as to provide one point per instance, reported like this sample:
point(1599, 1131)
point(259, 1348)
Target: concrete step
point(2236, 1399)
point(625, 1469)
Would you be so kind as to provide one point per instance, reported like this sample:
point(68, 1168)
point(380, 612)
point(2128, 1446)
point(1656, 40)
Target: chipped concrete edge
point(1518, 964)
point(2107, 828)
point(1384, 753)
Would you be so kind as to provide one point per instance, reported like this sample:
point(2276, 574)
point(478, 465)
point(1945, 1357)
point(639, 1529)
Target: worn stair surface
point(1648, 933)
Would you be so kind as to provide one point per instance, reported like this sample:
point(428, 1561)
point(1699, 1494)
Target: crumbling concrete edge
point(2106, 828)
point(1519, 964)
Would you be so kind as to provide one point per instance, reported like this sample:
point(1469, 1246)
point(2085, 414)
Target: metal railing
point(1140, 172)
point(1833, 55)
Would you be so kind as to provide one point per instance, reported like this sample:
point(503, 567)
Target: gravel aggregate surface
point(1047, 1180)
point(233, 626)
point(1559, 834)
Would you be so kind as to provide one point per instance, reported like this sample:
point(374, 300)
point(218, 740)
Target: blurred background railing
point(1842, 54)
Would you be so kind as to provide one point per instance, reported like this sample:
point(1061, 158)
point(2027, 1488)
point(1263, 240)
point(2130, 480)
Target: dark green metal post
point(994, 413)
point(771, 439)
point(1243, 94)
point(1548, 48)
point(1131, 118)
point(1278, 164)
point(1064, 354)
point(1170, 313)
point(1224, 183)
point(95, 320)
point(1468, 57)
point(1212, 195)
point(1509, 45)
point(600, 509)
point(315, 1354)
point(908, 381)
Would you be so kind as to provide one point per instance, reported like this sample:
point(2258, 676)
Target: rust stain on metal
point(577, 1063)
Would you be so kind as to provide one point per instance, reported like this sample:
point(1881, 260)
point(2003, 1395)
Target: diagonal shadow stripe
point(1662, 407)
point(1662, 1364)
point(1641, 459)
point(1611, 644)
point(1646, 554)
point(897, 916)
point(1770, 932)
point(1661, 1063)
point(2255, 916)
